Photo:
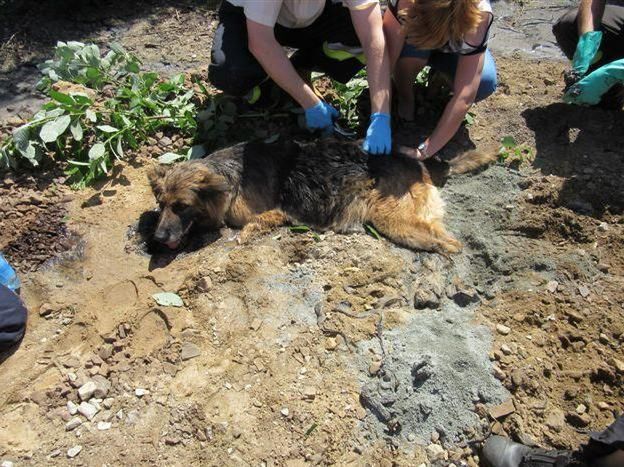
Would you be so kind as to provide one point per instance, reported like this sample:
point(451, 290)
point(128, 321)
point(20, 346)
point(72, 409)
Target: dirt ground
point(520, 334)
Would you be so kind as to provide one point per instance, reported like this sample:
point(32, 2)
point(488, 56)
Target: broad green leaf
point(81, 98)
point(91, 115)
point(76, 130)
point(508, 142)
point(168, 299)
point(97, 150)
point(62, 98)
point(300, 228)
point(120, 152)
point(21, 137)
point(196, 152)
point(80, 163)
point(169, 158)
point(56, 112)
point(52, 130)
point(107, 128)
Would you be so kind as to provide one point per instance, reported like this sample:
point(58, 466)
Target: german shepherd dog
point(329, 184)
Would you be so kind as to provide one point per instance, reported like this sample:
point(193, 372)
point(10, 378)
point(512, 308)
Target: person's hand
point(321, 117)
point(586, 51)
point(378, 136)
point(590, 89)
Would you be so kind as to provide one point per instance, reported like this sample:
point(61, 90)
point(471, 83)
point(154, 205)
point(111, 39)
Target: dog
point(328, 185)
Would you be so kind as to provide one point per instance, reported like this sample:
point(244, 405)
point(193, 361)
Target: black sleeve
point(12, 319)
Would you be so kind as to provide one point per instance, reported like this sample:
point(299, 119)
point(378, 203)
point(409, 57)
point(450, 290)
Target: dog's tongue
point(172, 245)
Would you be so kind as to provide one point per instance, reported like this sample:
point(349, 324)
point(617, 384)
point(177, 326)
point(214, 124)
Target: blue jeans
point(447, 64)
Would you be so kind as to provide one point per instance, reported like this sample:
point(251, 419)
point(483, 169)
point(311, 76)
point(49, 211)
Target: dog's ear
point(211, 183)
point(156, 177)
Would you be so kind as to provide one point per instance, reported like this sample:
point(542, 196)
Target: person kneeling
point(451, 37)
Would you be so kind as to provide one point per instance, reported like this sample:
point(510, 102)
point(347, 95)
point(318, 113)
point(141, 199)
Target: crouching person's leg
point(233, 69)
point(12, 320)
point(488, 78)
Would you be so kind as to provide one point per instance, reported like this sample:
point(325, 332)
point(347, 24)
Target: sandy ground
point(520, 334)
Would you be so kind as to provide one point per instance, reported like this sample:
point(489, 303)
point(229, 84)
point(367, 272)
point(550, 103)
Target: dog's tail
point(470, 161)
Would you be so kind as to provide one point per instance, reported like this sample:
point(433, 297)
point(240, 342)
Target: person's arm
point(270, 54)
point(368, 26)
point(466, 85)
point(395, 37)
point(590, 15)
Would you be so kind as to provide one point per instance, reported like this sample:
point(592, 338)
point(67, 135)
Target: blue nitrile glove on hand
point(590, 89)
point(321, 117)
point(586, 51)
point(378, 136)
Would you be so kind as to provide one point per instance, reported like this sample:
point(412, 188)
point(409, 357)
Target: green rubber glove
point(586, 51)
point(590, 89)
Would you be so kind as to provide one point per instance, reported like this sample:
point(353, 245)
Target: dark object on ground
point(329, 185)
point(502, 452)
point(12, 320)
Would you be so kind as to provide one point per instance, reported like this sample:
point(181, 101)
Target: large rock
point(102, 386)
point(86, 390)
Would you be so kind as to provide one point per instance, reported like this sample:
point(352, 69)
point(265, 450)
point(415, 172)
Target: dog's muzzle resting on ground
point(329, 184)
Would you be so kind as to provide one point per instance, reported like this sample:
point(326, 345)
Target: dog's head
point(187, 193)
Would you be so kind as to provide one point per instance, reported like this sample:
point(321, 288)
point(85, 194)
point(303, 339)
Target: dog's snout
point(161, 235)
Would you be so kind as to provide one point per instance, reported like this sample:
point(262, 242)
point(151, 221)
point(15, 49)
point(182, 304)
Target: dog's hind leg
point(414, 220)
point(263, 223)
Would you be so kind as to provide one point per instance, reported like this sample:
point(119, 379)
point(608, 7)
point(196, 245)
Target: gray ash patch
point(436, 369)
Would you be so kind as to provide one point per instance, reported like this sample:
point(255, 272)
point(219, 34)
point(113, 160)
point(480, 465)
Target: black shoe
point(502, 452)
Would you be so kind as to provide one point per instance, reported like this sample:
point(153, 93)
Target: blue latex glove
point(590, 89)
point(378, 136)
point(321, 117)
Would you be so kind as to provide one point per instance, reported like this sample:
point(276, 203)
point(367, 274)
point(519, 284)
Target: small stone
point(603, 405)
point(189, 350)
point(583, 290)
point(436, 452)
point(86, 390)
point(6, 464)
point(374, 368)
point(255, 324)
point(506, 349)
point(603, 338)
point(102, 386)
point(285, 412)
point(502, 329)
point(581, 409)
point(103, 426)
point(108, 403)
point(73, 452)
point(87, 410)
point(603, 226)
point(411, 437)
point(555, 420)
point(72, 408)
point(498, 373)
point(55, 453)
point(578, 420)
point(165, 142)
point(204, 284)
point(331, 343)
point(552, 286)
point(73, 424)
point(45, 310)
point(309, 393)
point(139, 392)
point(502, 410)
point(619, 365)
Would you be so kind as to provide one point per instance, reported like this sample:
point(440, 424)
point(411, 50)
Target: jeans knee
point(489, 81)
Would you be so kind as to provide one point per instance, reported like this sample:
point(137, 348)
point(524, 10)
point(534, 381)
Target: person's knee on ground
point(565, 31)
point(12, 319)
point(489, 81)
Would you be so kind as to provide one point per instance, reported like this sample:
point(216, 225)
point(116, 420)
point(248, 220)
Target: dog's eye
point(179, 207)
